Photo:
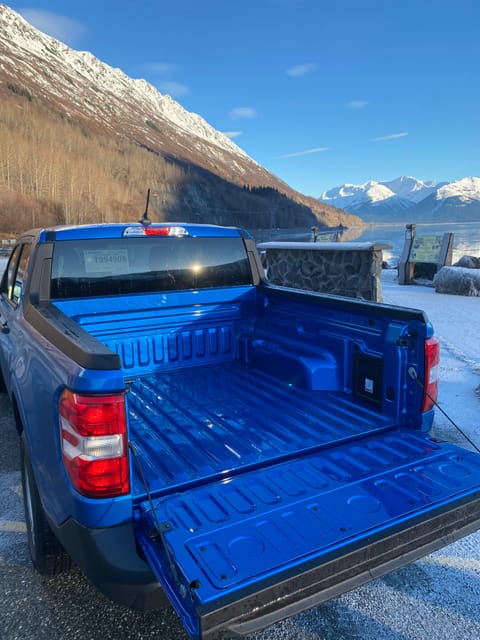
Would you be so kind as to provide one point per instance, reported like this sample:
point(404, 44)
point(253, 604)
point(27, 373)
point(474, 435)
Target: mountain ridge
point(374, 201)
point(215, 180)
point(107, 78)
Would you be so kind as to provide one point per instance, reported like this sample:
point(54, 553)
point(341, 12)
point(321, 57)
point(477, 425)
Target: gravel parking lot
point(437, 597)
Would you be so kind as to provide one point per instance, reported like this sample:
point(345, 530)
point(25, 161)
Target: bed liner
point(192, 425)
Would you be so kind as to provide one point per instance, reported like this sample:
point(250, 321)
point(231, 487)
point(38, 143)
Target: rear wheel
point(48, 556)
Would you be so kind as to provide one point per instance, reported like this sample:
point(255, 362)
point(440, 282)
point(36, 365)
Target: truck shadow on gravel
point(9, 445)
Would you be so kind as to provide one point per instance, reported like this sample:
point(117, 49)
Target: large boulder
point(459, 281)
point(469, 262)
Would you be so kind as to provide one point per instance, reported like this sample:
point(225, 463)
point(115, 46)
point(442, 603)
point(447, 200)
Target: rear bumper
point(353, 568)
point(111, 560)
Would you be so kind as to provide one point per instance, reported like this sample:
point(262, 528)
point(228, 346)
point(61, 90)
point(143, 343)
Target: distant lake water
point(466, 240)
point(3, 263)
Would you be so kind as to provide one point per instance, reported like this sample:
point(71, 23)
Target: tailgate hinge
point(159, 529)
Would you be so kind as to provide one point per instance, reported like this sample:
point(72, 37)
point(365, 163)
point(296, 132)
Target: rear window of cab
point(99, 267)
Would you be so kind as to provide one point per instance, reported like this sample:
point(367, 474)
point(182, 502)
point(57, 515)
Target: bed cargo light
point(94, 443)
point(154, 230)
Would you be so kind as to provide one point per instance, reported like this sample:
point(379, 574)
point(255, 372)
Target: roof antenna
point(145, 220)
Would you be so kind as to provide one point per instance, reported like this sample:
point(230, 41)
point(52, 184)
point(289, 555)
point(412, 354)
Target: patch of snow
point(455, 321)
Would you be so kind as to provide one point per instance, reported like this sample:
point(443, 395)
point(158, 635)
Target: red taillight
point(432, 361)
point(93, 432)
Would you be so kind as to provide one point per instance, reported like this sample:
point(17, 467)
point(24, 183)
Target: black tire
point(48, 556)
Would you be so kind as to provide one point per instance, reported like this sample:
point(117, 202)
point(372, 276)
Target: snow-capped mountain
point(465, 190)
point(458, 200)
point(354, 195)
point(79, 88)
point(407, 197)
point(411, 189)
point(80, 81)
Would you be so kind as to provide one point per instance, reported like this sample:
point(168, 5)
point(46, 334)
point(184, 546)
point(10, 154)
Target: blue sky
point(320, 92)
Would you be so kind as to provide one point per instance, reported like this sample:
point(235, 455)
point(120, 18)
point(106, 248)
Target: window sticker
point(111, 261)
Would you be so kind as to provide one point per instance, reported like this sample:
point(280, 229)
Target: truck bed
point(220, 382)
point(188, 427)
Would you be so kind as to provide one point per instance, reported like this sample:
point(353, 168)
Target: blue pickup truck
point(190, 431)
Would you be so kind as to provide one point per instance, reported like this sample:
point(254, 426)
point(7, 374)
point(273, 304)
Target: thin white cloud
point(232, 134)
point(357, 104)
point(285, 3)
point(239, 113)
point(59, 27)
point(392, 136)
point(162, 68)
point(300, 70)
point(306, 152)
point(174, 89)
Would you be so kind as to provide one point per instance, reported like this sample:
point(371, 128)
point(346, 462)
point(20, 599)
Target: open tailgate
point(240, 553)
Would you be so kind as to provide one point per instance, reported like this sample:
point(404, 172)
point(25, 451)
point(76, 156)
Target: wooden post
point(445, 257)
point(406, 268)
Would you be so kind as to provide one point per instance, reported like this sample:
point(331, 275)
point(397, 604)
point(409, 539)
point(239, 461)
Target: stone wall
point(351, 269)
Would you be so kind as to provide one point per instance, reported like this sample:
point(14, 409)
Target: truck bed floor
point(198, 423)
